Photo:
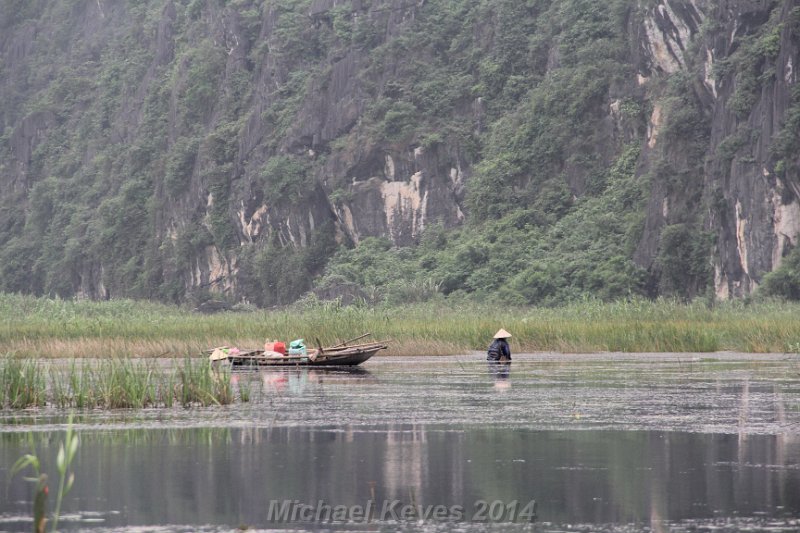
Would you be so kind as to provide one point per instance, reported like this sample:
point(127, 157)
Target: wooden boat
point(342, 354)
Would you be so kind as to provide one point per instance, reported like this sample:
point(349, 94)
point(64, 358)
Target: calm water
point(627, 443)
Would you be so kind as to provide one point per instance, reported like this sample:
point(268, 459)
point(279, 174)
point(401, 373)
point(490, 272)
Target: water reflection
point(500, 372)
point(651, 443)
point(297, 381)
point(229, 476)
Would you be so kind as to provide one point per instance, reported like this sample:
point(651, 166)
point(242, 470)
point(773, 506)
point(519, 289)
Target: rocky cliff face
point(193, 140)
point(740, 57)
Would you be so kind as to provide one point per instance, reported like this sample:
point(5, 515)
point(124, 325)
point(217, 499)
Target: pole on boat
point(351, 340)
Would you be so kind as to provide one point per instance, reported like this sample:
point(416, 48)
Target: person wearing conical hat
point(499, 349)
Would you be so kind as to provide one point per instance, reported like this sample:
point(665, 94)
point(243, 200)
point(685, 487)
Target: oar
point(351, 340)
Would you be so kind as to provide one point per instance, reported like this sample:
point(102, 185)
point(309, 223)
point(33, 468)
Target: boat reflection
point(297, 380)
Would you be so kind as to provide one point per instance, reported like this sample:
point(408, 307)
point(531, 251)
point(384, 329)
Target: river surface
point(551, 443)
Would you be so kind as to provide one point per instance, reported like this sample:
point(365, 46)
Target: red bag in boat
point(276, 346)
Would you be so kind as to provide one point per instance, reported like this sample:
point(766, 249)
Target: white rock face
point(405, 203)
point(721, 284)
point(668, 35)
point(221, 272)
point(345, 216)
point(654, 126)
point(741, 237)
point(786, 226)
point(666, 50)
point(252, 228)
point(708, 79)
point(389, 168)
point(660, 50)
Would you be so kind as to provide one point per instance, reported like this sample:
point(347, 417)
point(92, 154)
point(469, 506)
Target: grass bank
point(39, 327)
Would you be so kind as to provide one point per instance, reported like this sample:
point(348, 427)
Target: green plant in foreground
point(66, 454)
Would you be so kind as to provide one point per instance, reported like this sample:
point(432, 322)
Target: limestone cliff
point(161, 147)
point(740, 56)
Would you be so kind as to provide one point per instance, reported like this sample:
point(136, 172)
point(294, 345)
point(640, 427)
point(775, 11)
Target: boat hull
point(338, 357)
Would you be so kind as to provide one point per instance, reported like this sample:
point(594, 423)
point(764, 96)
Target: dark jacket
point(499, 348)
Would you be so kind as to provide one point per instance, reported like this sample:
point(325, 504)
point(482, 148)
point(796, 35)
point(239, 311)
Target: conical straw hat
point(502, 334)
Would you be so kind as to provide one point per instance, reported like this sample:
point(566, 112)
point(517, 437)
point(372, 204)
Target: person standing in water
point(499, 349)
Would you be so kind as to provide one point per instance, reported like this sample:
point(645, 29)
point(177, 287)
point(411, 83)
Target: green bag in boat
point(297, 347)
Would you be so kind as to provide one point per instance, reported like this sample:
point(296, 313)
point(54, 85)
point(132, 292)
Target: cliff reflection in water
point(229, 476)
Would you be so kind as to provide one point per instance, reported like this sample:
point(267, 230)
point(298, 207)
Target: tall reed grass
point(23, 384)
point(39, 327)
point(112, 384)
